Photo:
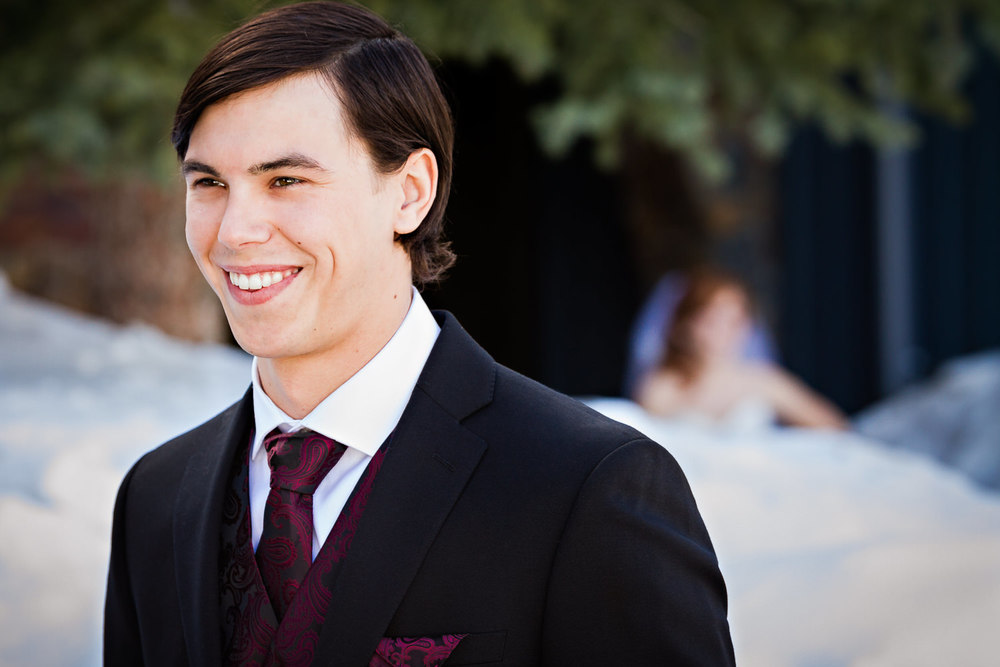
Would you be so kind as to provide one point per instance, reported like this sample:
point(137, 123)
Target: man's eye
point(209, 183)
point(285, 181)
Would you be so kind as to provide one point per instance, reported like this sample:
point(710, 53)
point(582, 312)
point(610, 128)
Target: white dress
point(748, 415)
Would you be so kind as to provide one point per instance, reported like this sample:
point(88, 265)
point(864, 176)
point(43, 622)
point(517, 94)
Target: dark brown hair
point(391, 98)
point(702, 286)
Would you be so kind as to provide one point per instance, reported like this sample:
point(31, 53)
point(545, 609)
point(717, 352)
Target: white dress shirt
point(360, 414)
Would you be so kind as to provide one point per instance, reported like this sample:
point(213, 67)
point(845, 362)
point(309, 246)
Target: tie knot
point(300, 460)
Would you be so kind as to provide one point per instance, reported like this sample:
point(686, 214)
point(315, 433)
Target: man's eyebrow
point(294, 160)
point(190, 166)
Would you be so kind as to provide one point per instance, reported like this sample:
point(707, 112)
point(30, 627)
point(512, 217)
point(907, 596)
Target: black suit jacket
point(547, 532)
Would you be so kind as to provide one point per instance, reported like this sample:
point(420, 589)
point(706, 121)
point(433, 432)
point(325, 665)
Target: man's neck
point(298, 384)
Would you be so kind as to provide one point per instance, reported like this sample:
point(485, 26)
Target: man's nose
point(245, 220)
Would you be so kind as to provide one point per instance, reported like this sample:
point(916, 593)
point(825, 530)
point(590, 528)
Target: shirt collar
point(363, 411)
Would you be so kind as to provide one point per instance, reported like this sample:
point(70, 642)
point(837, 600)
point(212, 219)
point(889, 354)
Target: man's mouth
point(252, 282)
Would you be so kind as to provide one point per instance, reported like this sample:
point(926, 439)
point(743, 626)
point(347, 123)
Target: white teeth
point(255, 281)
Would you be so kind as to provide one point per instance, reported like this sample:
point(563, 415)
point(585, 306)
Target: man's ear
point(419, 181)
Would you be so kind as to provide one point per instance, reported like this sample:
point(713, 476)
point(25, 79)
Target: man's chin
point(261, 345)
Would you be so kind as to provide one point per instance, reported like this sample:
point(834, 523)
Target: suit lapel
point(430, 460)
point(197, 526)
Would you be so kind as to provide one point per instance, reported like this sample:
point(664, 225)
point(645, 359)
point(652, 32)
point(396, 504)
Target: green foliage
point(684, 73)
point(95, 84)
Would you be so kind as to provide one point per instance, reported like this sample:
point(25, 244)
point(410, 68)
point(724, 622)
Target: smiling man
point(384, 493)
point(280, 192)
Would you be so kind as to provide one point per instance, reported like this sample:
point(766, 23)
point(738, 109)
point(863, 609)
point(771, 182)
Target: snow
point(952, 416)
point(837, 550)
point(80, 400)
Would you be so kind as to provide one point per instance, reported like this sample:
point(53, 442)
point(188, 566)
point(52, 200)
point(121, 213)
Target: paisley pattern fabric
point(248, 620)
point(252, 633)
point(414, 651)
point(299, 461)
point(298, 634)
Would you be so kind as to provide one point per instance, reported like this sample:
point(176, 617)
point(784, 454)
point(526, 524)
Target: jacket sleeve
point(636, 581)
point(122, 644)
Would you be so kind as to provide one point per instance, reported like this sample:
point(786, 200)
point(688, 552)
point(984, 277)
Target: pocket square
point(414, 651)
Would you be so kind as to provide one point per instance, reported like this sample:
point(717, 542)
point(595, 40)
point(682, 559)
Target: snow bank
point(80, 400)
point(952, 416)
point(838, 550)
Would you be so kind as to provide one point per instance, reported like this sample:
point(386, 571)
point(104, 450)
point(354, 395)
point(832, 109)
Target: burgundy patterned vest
point(251, 634)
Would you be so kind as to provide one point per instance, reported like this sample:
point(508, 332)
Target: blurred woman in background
point(704, 374)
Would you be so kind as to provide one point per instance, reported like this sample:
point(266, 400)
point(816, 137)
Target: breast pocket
point(481, 648)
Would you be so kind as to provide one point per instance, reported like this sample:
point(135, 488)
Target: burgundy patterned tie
point(298, 462)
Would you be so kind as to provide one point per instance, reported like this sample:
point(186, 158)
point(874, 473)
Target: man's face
point(285, 203)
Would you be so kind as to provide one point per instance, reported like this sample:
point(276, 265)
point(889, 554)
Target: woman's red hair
point(703, 285)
